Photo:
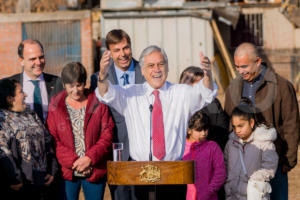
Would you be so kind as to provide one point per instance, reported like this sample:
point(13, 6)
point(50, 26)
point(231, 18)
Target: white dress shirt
point(179, 102)
point(28, 88)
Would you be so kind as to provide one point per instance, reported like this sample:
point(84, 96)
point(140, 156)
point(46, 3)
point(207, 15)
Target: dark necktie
point(158, 128)
point(125, 79)
point(37, 99)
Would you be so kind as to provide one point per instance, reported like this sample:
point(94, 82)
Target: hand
point(82, 163)
point(16, 187)
point(87, 171)
point(48, 179)
point(104, 64)
point(285, 169)
point(205, 65)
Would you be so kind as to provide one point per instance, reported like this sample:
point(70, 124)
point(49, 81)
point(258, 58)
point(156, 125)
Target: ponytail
point(248, 111)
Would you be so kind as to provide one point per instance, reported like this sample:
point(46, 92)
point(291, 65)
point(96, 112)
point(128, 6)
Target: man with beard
point(276, 98)
point(38, 86)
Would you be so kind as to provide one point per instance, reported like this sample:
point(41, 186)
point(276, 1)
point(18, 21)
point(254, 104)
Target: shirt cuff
point(108, 96)
point(208, 95)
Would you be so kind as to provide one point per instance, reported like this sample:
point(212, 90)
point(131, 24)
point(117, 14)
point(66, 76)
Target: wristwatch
point(102, 80)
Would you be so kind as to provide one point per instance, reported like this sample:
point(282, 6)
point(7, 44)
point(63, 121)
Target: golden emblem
point(150, 174)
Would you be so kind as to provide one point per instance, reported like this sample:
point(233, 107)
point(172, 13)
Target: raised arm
point(203, 92)
point(205, 65)
point(103, 73)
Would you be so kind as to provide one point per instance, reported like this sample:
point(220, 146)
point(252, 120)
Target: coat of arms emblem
point(150, 174)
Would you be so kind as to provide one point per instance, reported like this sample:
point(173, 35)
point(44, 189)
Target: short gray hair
point(151, 49)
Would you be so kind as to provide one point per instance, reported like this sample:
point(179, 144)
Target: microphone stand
point(152, 190)
point(150, 154)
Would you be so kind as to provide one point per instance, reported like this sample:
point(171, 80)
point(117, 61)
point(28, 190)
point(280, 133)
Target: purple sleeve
point(219, 175)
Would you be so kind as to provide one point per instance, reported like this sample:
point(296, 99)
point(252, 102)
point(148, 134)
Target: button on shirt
point(28, 88)
point(250, 88)
point(130, 72)
point(178, 101)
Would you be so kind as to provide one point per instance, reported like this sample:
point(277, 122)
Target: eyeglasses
point(245, 66)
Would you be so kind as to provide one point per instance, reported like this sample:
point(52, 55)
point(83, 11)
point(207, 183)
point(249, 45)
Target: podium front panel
point(150, 172)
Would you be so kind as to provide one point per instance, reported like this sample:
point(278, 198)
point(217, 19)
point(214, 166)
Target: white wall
point(182, 37)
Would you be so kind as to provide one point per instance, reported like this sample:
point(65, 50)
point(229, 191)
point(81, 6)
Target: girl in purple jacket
point(210, 172)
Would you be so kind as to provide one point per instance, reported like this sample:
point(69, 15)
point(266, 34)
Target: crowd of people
point(56, 134)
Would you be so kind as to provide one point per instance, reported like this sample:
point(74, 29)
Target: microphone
point(150, 154)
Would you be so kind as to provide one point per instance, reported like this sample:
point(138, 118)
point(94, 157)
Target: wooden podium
point(150, 172)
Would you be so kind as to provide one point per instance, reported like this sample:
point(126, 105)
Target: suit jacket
point(120, 132)
point(53, 83)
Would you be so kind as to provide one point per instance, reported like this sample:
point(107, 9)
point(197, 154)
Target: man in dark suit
point(123, 70)
point(38, 86)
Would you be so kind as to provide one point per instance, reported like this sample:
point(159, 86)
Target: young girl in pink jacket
point(210, 172)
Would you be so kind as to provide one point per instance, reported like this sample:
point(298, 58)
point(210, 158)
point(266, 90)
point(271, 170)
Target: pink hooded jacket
point(210, 171)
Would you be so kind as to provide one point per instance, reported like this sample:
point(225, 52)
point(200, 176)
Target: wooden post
point(222, 47)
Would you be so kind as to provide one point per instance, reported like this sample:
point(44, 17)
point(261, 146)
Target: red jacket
point(98, 131)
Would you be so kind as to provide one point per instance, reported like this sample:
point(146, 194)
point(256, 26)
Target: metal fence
point(61, 41)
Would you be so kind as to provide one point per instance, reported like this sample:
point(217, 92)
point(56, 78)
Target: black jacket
point(53, 83)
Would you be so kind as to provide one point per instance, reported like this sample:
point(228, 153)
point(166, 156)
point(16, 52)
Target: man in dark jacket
point(276, 98)
point(38, 86)
point(123, 70)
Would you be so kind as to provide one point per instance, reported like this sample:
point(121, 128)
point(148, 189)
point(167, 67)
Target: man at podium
point(157, 111)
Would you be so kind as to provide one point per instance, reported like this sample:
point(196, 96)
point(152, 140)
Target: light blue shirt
point(130, 72)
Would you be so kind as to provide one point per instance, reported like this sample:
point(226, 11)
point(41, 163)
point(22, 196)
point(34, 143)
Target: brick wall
point(281, 63)
point(10, 37)
point(87, 46)
point(285, 63)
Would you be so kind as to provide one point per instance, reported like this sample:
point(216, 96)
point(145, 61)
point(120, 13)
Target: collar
point(237, 84)
point(260, 75)
point(237, 140)
point(197, 144)
point(150, 89)
point(120, 73)
point(268, 76)
point(26, 78)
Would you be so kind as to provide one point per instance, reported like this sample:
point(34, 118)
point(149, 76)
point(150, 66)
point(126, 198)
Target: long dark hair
point(248, 111)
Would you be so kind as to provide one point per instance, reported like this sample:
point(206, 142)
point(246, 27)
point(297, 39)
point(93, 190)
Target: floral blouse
point(77, 120)
point(27, 145)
